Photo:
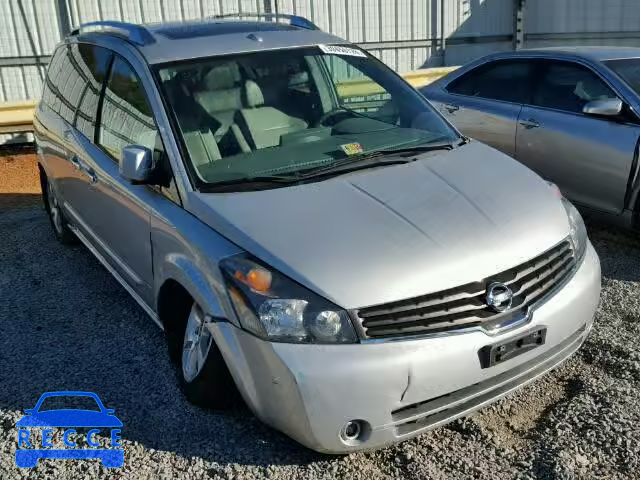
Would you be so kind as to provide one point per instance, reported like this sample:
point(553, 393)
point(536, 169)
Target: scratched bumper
point(400, 388)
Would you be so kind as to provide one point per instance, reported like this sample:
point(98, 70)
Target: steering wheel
point(333, 113)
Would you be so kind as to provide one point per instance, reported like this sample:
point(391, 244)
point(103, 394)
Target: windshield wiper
point(250, 183)
point(416, 149)
point(340, 168)
point(370, 159)
point(355, 162)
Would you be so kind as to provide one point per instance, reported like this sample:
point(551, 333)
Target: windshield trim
point(200, 184)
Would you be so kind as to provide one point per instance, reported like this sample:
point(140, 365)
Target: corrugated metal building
point(582, 22)
point(405, 34)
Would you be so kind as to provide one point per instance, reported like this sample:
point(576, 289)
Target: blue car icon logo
point(67, 418)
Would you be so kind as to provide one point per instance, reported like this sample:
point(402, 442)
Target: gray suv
point(306, 229)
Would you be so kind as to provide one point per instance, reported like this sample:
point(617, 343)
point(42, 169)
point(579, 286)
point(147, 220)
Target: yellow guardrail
point(17, 117)
point(417, 78)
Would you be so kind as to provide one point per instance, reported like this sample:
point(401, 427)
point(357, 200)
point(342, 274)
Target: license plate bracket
point(491, 355)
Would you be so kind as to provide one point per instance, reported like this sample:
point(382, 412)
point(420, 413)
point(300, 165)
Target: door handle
point(75, 162)
point(451, 108)
point(531, 123)
point(90, 172)
point(85, 169)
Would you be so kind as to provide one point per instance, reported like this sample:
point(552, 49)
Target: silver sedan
point(570, 114)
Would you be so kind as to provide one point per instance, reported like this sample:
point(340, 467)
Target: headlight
point(577, 230)
point(276, 308)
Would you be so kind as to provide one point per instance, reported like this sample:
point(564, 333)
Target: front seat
point(220, 94)
point(263, 126)
point(196, 124)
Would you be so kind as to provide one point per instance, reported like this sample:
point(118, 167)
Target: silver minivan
point(311, 235)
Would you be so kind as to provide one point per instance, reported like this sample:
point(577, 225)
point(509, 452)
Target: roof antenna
point(254, 37)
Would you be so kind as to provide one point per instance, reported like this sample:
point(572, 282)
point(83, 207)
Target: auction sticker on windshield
point(36, 430)
point(352, 148)
point(340, 50)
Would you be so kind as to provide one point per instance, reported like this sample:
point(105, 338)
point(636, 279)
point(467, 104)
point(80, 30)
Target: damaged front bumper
point(399, 389)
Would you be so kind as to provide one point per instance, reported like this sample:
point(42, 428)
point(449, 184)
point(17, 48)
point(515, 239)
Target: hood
point(385, 234)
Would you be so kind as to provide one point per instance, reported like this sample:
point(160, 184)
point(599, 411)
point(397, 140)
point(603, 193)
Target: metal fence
point(405, 34)
point(582, 22)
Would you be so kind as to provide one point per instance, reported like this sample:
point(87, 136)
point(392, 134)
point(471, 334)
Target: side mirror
point(136, 164)
point(609, 107)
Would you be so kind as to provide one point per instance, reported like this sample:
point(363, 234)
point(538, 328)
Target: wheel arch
point(182, 281)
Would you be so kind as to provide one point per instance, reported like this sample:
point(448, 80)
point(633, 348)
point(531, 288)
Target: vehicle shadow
point(68, 325)
point(610, 242)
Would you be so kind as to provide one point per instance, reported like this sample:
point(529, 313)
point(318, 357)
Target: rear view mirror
point(609, 107)
point(136, 164)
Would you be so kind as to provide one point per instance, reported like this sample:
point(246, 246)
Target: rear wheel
point(204, 377)
point(54, 210)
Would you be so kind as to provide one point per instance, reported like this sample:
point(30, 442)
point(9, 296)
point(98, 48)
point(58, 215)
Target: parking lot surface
point(68, 325)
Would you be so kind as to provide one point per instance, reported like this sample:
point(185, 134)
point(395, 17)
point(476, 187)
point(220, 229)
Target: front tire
point(202, 371)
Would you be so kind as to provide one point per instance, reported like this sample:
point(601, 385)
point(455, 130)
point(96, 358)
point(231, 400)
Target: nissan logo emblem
point(499, 297)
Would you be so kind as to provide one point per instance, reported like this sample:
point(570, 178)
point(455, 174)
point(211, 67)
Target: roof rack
point(135, 33)
point(294, 20)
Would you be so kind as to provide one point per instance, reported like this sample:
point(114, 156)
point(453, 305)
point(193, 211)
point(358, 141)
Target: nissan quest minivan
point(306, 229)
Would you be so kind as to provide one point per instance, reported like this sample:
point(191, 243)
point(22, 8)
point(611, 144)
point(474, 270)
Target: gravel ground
point(19, 179)
point(66, 324)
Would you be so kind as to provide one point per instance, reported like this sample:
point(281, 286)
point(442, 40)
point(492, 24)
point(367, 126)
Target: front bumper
point(399, 388)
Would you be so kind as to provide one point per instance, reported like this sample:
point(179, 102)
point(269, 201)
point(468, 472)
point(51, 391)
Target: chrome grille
point(465, 306)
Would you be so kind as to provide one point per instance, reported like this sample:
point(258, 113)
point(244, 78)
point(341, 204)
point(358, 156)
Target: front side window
point(283, 112)
point(126, 117)
point(569, 87)
point(506, 80)
point(93, 62)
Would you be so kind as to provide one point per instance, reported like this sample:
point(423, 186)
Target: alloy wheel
point(196, 344)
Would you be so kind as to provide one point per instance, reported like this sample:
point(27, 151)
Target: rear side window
point(93, 62)
point(50, 94)
point(71, 83)
point(64, 85)
point(504, 80)
point(126, 117)
point(569, 87)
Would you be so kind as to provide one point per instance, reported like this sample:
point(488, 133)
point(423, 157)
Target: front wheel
point(204, 377)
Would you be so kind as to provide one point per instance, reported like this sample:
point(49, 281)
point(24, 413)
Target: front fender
point(187, 251)
point(200, 286)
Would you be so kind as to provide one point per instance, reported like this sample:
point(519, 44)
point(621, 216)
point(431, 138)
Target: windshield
point(629, 70)
point(69, 402)
point(283, 112)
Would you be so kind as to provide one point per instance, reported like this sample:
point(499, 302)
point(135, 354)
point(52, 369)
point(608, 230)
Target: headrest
point(591, 89)
point(253, 93)
point(222, 77)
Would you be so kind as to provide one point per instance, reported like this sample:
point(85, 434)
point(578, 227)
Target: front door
point(115, 213)
point(485, 102)
point(588, 157)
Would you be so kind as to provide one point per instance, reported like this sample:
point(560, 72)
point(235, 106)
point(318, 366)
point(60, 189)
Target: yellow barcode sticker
point(352, 148)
